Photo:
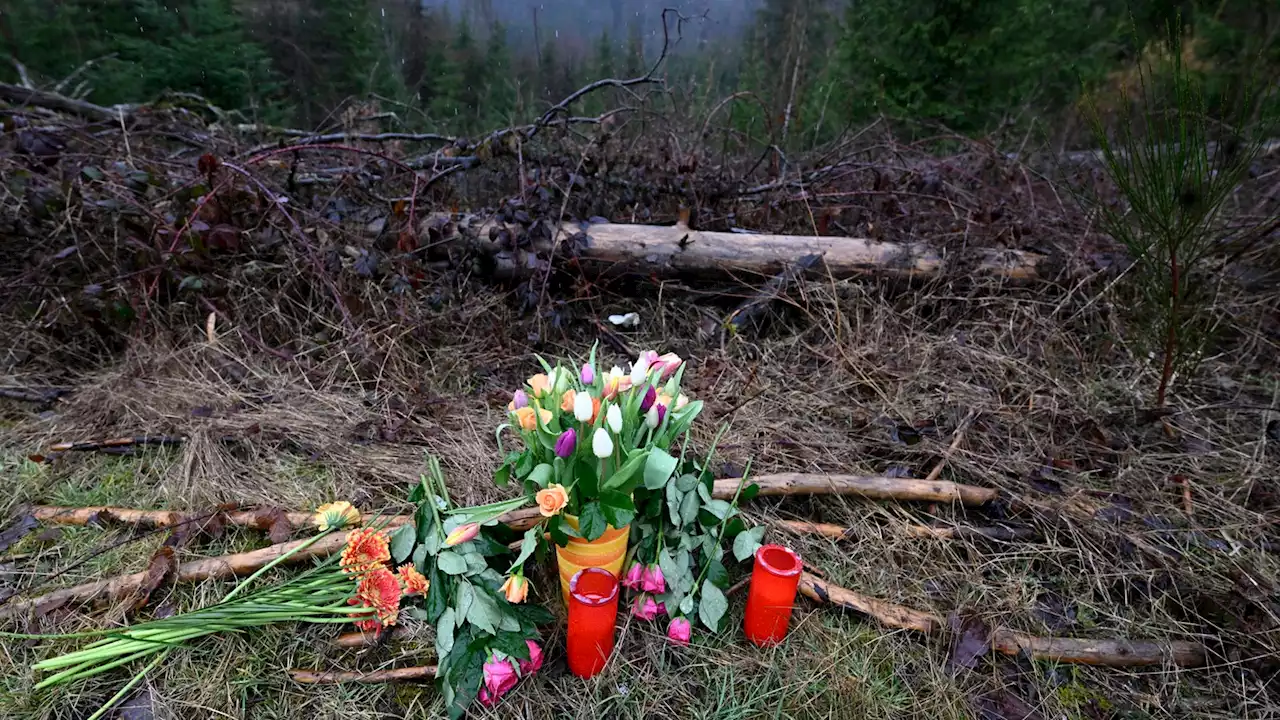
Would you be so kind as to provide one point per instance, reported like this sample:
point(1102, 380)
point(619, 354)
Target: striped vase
point(606, 551)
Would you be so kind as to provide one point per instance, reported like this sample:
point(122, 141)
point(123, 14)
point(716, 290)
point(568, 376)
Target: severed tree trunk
point(679, 250)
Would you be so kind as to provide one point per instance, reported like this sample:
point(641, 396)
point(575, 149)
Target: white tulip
point(639, 371)
point(582, 406)
point(652, 418)
point(601, 444)
point(614, 417)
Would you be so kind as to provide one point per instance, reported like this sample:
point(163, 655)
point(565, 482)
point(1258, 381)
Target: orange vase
point(606, 551)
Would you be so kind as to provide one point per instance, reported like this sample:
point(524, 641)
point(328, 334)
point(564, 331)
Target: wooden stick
point(958, 532)
point(359, 639)
point(1113, 653)
point(955, 443)
point(875, 488)
point(259, 519)
point(334, 677)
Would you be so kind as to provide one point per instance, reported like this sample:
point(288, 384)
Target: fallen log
point(359, 639)
point(1112, 653)
point(334, 677)
point(680, 250)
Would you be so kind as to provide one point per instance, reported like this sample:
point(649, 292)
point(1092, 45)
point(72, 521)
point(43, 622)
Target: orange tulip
point(566, 401)
point(540, 384)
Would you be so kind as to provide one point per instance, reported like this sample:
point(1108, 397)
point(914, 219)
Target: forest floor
point(1142, 533)
point(282, 312)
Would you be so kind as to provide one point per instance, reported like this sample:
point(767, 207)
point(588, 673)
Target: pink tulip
point(587, 375)
point(646, 608)
point(669, 362)
point(652, 581)
point(534, 663)
point(634, 576)
point(679, 631)
point(499, 676)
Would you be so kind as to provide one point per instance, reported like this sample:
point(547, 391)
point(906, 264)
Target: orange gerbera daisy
point(378, 589)
point(367, 549)
point(414, 582)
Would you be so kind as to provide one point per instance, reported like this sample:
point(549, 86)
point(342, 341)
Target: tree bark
point(679, 250)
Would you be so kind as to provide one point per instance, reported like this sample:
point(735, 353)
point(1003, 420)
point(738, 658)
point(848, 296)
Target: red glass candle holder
point(593, 610)
point(774, 580)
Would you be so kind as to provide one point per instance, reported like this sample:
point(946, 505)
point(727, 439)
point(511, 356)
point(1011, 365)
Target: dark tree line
point(814, 67)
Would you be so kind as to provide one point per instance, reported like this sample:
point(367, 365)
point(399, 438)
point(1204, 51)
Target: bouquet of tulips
point(609, 448)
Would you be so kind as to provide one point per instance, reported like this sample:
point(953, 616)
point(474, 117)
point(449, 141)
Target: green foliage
point(1175, 166)
point(970, 63)
point(147, 47)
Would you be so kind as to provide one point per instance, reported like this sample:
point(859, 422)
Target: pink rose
point(646, 608)
point(634, 576)
point(652, 581)
point(499, 677)
point(534, 663)
point(679, 631)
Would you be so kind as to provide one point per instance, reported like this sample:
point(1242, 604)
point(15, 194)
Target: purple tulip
point(567, 441)
point(520, 399)
point(650, 397)
point(588, 374)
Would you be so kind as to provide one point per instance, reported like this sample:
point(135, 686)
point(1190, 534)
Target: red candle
point(774, 580)
point(593, 609)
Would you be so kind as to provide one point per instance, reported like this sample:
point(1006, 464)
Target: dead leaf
point(971, 640)
point(138, 706)
point(1001, 705)
point(163, 564)
point(280, 530)
point(17, 531)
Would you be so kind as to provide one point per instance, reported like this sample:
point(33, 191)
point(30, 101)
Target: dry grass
point(832, 384)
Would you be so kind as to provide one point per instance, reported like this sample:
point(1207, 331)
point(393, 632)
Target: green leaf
point(688, 508)
point(686, 605)
point(414, 612)
point(524, 465)
point(466, 596)
point(509, 623)
point(658, 468)
point(618, 517)
point(541, 474)
point(444, 633)
point(584, 472)
point(674, 500)
point(619, 480)
point(717, 574)
point(402, 541)
point(749, 492)
point(722, 509)
point(670, 569)
point(686, 482)
point(527, 545)
point(484, 612)
point(420, 559)
point(592, 522)
point(511, 643)
point(712, 606)
point(475, 563)
point(437, 595)
point(451, 562)
point(704, 492)
point(502, 475)
point(533, 614)
point(556, 528)
point(747, 542)
point(91, 172)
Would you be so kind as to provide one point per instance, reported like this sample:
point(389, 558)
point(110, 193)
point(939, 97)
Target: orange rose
point(566, 401)
point(516, 589)
point(552, 500)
